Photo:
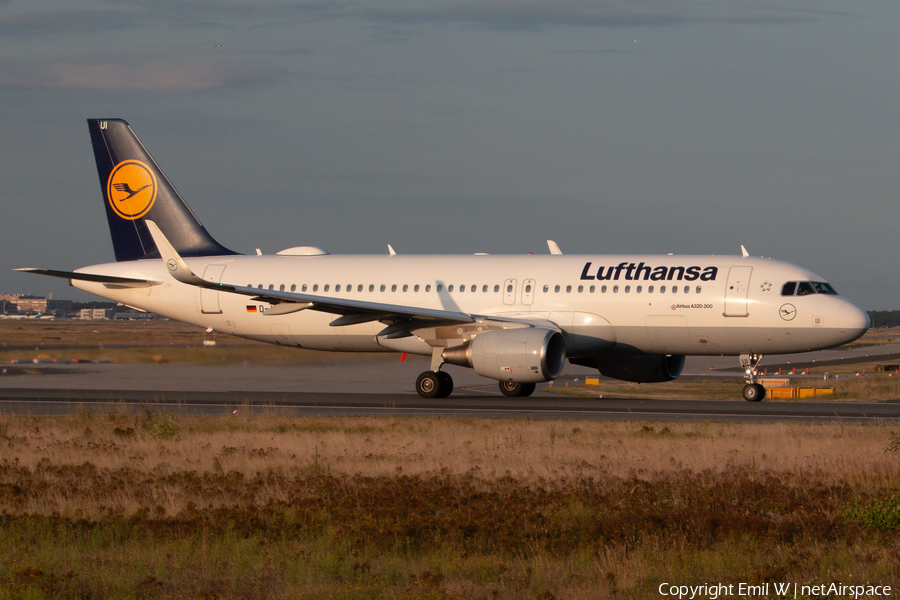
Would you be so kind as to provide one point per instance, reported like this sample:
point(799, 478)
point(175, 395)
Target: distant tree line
point(884, 318)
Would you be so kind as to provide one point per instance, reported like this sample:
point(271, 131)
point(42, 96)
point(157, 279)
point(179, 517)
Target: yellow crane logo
point(131, 189)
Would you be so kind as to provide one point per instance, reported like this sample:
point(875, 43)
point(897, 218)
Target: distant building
point(26, 303)
point(59, 307)
point(97, 313)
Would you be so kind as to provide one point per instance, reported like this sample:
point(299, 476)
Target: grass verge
point(155, 506)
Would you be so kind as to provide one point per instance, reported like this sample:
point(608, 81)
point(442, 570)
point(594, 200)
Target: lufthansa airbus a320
point(514, 319)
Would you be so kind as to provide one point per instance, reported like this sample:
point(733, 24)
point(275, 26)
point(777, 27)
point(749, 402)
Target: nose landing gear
point(753, 391)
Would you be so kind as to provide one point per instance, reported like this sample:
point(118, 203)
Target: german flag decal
point(251, 308)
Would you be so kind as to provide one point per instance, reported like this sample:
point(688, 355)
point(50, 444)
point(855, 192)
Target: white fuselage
point(693, 305)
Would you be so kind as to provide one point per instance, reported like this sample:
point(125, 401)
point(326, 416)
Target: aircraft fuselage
point(692, 305)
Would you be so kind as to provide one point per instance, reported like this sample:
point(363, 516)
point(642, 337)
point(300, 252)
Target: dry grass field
point(257, 506)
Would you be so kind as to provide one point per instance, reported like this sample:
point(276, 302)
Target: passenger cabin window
point(371, 287)
point(359, 288)
point(383, 287)
point(450, 288)
point(303, 288)
point(484, 288)
point(337, 288)
point(394, 288)
point(325, 289)
point(497, 289)
point(405, 287)
point(428, 287)
point(474, 288)
point(281, 288)
point(416, 288)
point(546, 288)
point(527, 289)
point(440, 287)
point(293, 287)
point(315, 287)
point(271, 286)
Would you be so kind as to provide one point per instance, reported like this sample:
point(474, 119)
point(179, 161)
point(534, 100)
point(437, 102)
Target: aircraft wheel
point(446, 384)
point(754, 392)
point(428, 385)
point(514, 389)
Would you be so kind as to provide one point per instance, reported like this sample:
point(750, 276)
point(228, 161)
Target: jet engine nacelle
point(637, 368)
point(527, 355)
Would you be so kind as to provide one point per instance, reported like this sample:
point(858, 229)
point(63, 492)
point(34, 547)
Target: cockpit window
point(805, 288)
point(824, 288)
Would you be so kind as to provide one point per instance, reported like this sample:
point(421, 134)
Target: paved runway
point(350, 384)
point(547, 406)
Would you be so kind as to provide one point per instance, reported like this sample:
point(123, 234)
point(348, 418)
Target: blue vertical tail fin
point(135, 188)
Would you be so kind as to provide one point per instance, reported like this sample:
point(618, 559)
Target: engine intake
point(527, 355)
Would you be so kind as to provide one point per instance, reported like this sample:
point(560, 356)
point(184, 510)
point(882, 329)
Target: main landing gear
point(753, 391)
point(437, 384)
point(434, 384)
point(513, 389)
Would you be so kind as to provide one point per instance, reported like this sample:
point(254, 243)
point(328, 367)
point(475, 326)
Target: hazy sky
point(457, 127)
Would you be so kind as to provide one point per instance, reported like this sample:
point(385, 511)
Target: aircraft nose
point(853, 320)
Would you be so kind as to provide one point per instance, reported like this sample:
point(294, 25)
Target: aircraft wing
point(108, 280)
point(351, 311)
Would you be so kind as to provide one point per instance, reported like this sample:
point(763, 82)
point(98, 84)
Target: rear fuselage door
point(209, 299)
point(736, 291)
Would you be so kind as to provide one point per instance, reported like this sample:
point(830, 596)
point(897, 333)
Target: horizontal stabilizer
point(109, 280)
